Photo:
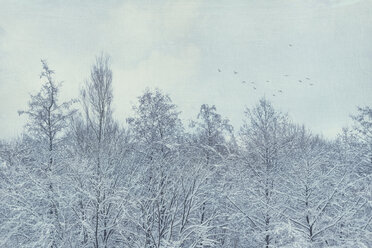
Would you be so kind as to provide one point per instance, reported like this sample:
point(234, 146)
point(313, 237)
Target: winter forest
point(78, 178)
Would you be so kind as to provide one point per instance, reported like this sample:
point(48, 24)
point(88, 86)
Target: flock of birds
point(253, 84)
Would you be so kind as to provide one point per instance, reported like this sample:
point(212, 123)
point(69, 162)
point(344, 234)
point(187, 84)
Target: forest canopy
point(77, 177)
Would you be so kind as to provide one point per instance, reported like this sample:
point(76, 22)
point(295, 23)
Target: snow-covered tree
point(39, 172)
point(99, 151)
point(312, 184)
point(266, 138)
point(213, 138)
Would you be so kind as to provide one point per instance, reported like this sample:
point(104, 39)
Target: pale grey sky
point(178, 46)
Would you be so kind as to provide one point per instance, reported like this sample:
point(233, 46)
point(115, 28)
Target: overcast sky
point(178, 46)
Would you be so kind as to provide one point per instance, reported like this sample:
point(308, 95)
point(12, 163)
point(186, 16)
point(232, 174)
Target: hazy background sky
point(178, 46)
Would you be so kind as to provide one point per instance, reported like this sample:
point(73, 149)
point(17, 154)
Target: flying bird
point(219, 70)
point(267, 81)
point(273, 94)
point(280, 91)
point(300, 81)
point(235, 72)
point(243, 82)
point(290, 45)
point(254, 88)
point(307, 78)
